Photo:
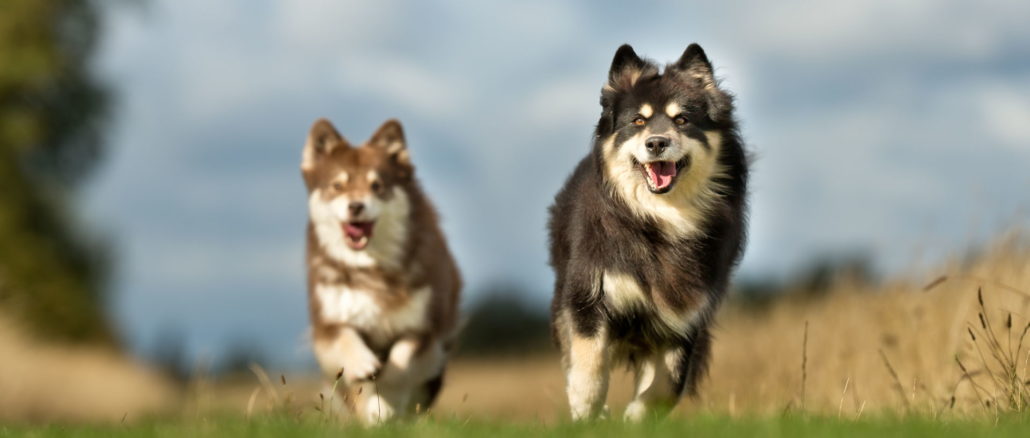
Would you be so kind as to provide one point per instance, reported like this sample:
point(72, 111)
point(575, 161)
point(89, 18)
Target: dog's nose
point(656, 144)
point(355, 208)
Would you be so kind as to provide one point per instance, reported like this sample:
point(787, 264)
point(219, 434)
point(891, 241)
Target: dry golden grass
point(892, 348)
point(43, 382)
point(889, 348)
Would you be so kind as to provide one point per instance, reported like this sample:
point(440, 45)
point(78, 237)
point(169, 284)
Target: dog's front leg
point(656, 389)
point(341, 349)
point(587, 372)
point(413, 360)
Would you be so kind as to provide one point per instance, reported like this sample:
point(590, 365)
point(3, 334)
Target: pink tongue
point(355, 230)
point(661, 173)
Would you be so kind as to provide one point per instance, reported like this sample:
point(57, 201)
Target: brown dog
point(382, 285)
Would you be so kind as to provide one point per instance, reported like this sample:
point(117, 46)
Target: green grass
point(702, 426)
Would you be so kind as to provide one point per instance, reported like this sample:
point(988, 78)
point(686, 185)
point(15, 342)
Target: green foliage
point(502, 323)
point(52, 111)
point(814, 279)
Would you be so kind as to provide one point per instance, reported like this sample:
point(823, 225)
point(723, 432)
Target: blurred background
point(151, 202)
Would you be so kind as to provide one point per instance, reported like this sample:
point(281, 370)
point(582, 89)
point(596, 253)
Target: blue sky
point(897, 129)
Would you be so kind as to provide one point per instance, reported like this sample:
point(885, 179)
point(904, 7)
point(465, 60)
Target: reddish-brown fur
point(423, 261)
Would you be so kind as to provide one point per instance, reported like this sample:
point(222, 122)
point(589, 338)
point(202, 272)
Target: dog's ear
point(627, 68)
point(322, 139)
point(390, 137)
point(694, 61)
point(694, 66)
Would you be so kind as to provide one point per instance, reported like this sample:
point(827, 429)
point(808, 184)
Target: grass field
point(703, 426)
point(938, 353)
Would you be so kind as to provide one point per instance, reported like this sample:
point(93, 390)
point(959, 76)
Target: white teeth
point(359, 242)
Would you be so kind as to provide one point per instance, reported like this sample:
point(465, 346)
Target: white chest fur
point(359, 308)
point(624, 293)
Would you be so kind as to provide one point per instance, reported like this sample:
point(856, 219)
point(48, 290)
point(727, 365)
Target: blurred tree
point(239, 354)
point(501, 322)
point(169, 355)
point(827, 271)
point(820, 276)
point(52, 113)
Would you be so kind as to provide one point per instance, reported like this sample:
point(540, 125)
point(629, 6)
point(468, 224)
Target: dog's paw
point(636, 411)
point(378, 410)
point(360, 366)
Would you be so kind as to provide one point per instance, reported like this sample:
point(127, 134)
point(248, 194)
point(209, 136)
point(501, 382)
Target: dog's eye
point(338, 186)
point(376, 186)
point(680, 120)
point(639, 121)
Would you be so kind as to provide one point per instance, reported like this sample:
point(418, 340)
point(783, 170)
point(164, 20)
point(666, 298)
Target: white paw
point(635, 411)
point(377, 410)
point(359, 366)
point(584, 412)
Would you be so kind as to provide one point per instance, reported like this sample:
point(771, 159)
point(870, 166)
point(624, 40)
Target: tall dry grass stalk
point(1003, 366)
point(913, 345)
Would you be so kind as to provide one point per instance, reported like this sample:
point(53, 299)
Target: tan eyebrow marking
point(646, 110)
point(673, 109)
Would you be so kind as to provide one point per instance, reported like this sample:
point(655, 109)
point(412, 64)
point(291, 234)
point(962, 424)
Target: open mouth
point(661, 175)
point(356, 234)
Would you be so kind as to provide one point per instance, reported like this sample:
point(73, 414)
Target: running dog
point(382, 285)
point(646, 232)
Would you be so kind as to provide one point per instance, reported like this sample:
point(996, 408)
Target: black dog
point(646, 232)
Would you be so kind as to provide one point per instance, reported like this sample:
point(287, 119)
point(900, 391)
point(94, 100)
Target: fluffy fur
point(382, 284)
point(646, 232)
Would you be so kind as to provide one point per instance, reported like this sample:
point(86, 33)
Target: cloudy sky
point(901, 129)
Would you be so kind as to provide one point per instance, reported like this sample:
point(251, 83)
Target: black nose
point(656, 144)
point(355, 208)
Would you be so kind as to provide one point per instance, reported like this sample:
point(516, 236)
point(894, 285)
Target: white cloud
point(326, 27)
point(841, 30)
point(1006, 112)
point(563, 104)
point(404, 82)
